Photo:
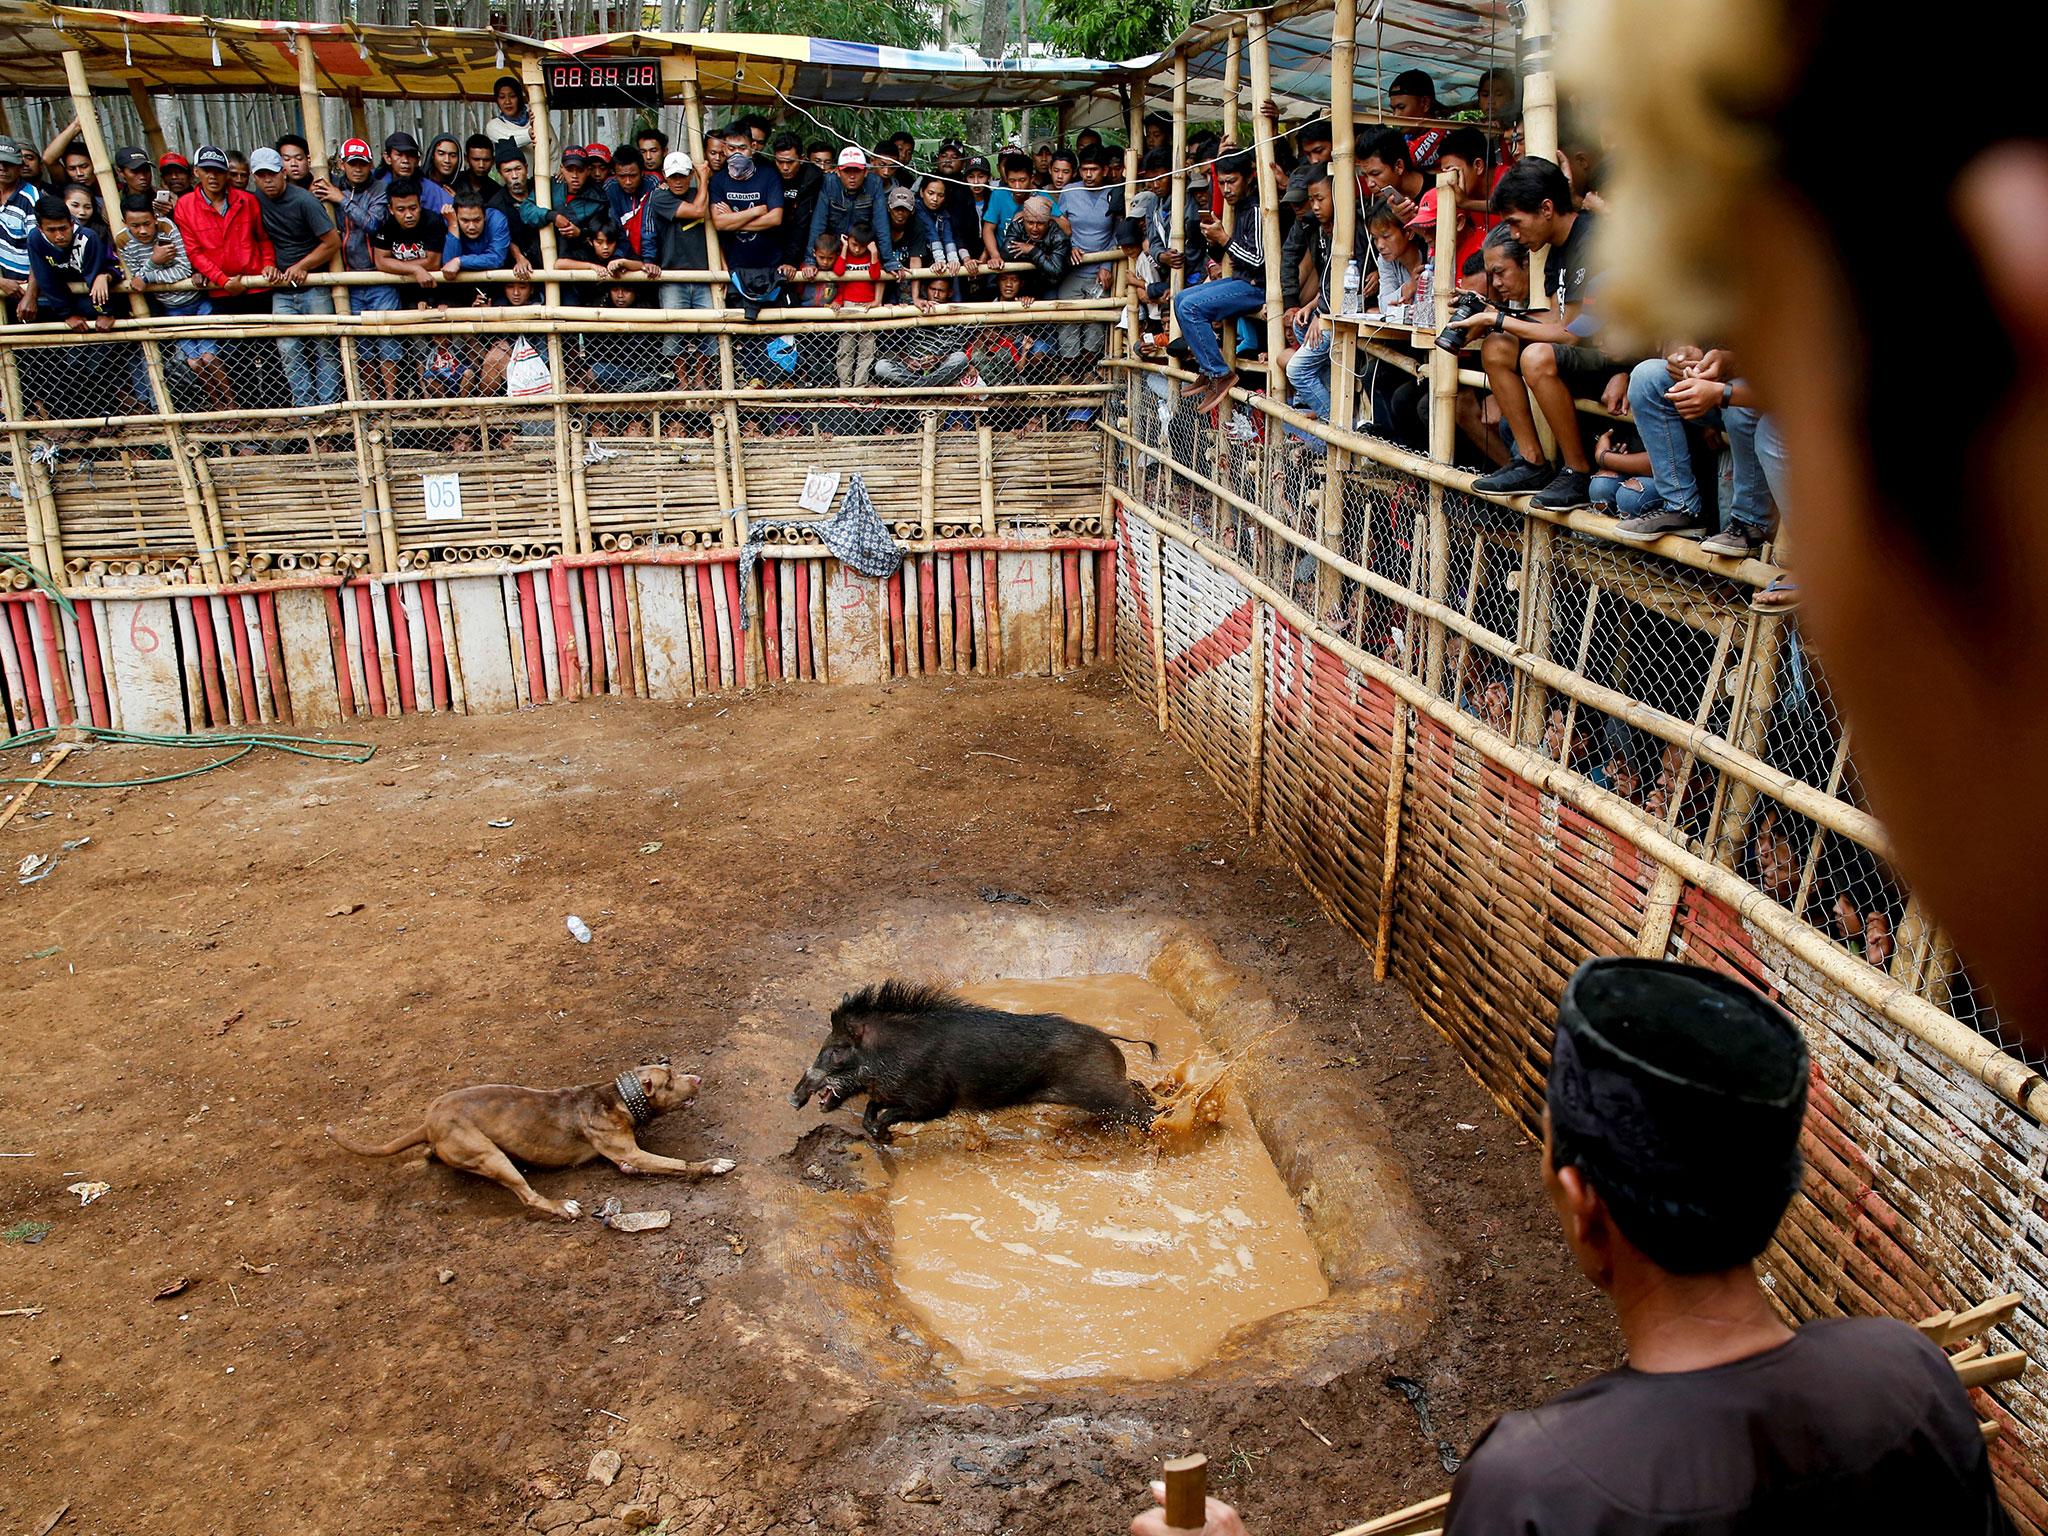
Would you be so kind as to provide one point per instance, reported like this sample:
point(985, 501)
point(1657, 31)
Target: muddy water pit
point(1013, 1250)
point(1043, 1249)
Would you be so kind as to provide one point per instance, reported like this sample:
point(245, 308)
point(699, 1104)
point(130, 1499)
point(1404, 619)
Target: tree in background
point(1115, 29)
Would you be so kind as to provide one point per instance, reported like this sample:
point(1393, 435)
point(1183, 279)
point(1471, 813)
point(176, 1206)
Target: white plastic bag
point(527, 372)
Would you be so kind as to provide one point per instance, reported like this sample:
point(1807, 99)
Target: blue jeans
point(1614, 494)
point(1201, 309)
point(1309, 372)
point(1663, 432)
point(686, 296)
point(377, 298)
point(1770, 454)
point(311, 367)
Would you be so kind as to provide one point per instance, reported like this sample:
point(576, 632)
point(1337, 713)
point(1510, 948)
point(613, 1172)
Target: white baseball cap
point(853, 154)
point(677, 164)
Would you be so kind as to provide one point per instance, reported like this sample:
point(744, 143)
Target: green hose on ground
point(245, 741)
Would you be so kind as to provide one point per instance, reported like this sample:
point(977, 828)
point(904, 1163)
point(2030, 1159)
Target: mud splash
point(1045, 1248)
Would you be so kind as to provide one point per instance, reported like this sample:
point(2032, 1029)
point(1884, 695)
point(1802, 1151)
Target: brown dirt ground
point(208, 1010)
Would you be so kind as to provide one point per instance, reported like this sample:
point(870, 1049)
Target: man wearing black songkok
point(1671, 1149)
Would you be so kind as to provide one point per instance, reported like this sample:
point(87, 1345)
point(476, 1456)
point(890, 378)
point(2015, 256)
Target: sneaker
point(1568, 489)
point(1516, 478)
point(1648, 527)
point(1734, 542)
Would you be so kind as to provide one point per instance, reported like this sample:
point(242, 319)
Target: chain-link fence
point(1652, 679)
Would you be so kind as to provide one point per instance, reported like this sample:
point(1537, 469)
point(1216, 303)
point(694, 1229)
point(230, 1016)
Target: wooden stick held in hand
point(1187, 1492)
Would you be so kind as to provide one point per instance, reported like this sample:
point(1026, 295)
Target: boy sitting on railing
point(155, 261)
point(861, 267)
point(1005, 353)
point(932, 357)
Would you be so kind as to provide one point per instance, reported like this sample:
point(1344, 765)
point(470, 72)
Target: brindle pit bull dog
point(484, 1129)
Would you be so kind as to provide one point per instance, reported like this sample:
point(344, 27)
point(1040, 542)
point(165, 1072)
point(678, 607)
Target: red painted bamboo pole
point(337, 639)
point(928, 611)
point(437, 648)
point(366, 642)
point(273, 655)
point(593, 630)
point(1070, 577)
point(622, 628)
point(739, 634)
point(401, 650)
point(209, 663)
point(1105, 609)
point(771, 622)
point(565, 630)
point(963, 615)
point(245, 664)
point(992, 599)
point(529, 628)
point(31, 685)
point(806, 662)
point(707, 621)
point(89, 659)
point(60, 685)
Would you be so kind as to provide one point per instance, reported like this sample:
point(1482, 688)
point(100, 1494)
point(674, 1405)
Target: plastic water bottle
point(579, 929)
point(1351, 287)
point(1423, 311)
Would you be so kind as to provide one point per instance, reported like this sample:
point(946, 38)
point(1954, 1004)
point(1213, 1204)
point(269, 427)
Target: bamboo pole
point(928, 471)
point(1390, 839)
point(152, 353)
point(359, 117)
point(1343, 243)
point(1233, 68)
point(1269, 195)
point(1177, 206)
point(35, 521)
point(1539, 111)
point(543, 173)
point(2010, 1079)
point(145, 111)
point(1135, 139)
point(316, 150)
point(1255, 798)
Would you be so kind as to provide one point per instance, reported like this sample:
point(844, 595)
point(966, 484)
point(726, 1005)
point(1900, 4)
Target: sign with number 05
point(444, 497)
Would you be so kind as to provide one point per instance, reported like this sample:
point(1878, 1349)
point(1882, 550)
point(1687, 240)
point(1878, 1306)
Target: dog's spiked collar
point(628, 1084)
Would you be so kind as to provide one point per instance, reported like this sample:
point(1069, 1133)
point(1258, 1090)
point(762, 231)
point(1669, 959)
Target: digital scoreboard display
point(603, 82)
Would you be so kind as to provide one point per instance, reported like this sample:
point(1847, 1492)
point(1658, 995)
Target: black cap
point(129, 158)
point(508, 149)
point(403, 142)
point(574, 158)
point(1679, 1093)
point(1412, 82)
point(978, 163)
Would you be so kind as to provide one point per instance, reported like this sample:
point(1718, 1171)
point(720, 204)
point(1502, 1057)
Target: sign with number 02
point(444, 497)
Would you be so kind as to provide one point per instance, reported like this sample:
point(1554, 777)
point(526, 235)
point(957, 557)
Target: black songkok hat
point(1679, 1093)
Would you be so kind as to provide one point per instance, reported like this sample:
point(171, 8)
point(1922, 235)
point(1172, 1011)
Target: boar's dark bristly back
point(895, 996)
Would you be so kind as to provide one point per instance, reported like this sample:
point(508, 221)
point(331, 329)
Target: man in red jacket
point(223, 231)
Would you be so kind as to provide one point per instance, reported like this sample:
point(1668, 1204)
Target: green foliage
point(1115, 29)
point(887, 23)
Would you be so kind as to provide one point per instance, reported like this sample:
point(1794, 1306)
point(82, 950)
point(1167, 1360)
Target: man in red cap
point(599, 159)
point(176, 172)
point(1470, 238)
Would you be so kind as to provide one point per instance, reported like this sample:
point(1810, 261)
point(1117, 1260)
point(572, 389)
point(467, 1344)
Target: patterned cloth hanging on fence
point(854, 533)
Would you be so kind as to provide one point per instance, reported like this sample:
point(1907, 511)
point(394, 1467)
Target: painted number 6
point(140, 635)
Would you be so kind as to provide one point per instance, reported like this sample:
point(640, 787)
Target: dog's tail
point(415, 1137)
point(1130, 1040)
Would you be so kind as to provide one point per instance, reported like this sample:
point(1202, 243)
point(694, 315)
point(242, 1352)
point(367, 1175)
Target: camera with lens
point(1464, 306)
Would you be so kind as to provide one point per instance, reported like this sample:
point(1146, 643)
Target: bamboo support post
point(1177, 204)
point(1748, 724)
point(1135, 139)
point(1539, 108)
point(543, 172)
point(39, 513)
point(1255, 797)
point(928, 472)
point(1269, 195)
point(1233, 71)
point(1343, 243)
point(316, 151)
point(1157, 593)
point(145, 112)
point(152, 352)
point(1660, 911)
point(359, 117)
point(1390, 840)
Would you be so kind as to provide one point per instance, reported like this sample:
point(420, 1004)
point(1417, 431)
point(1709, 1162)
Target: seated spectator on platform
point(302, 240)
point(1222, 301)
point(361, 205)
point(929, 357)
point(445, 369)
point(481, 241)
point(1470, 237)
point(61, 253)
point(223, 230)
point(510, 122)
point(676, 211)
point(1390, 174)
point(1399, 255)
point(1306, 319)
point(1670, 1154)
point(1621, 472)
point(853, 194)
point(154, 259)
point(1411, 97)
point(1538, 353)
point(1464, 155)
point(622, 361)
point(497, 358)
point(1036, 238)
point(1695, 388)
point(746, 210)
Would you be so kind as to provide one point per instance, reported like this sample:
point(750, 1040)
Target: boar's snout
point(806, 1085)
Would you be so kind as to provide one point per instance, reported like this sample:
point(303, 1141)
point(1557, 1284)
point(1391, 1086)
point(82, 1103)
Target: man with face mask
point(746, 210)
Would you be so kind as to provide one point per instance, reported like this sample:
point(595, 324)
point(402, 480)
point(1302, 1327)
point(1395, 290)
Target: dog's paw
point(571, 1209)
point(723, 1165)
